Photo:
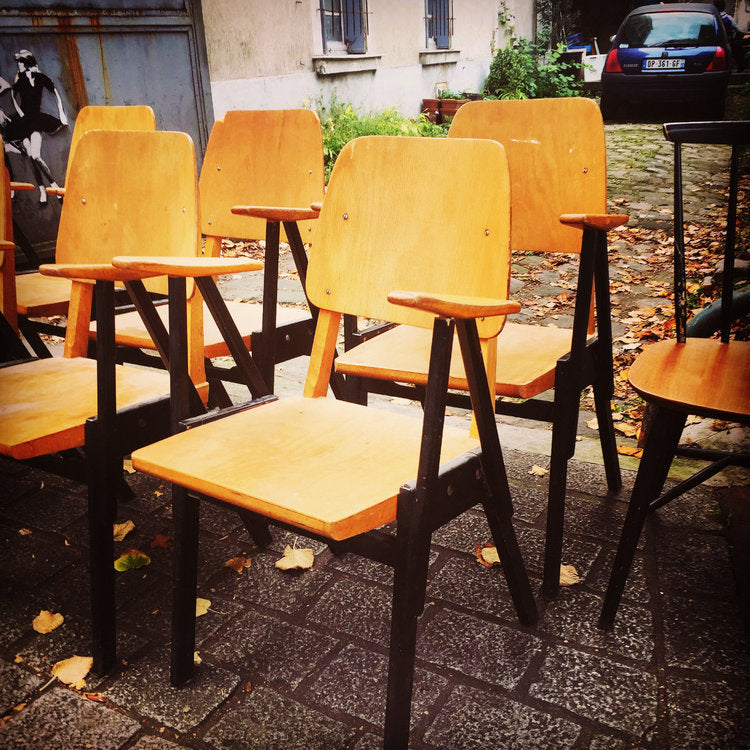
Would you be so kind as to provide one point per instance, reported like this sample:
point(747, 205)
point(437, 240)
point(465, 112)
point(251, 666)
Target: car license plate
point(664, 63)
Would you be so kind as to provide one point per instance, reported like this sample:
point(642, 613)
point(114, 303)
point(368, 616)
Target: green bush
point(341, 123)
point(521, 70)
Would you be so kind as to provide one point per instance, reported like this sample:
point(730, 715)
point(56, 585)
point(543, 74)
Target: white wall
point(262, 54)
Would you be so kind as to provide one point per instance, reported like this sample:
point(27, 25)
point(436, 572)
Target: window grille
point(439, 23)
point(344, 25)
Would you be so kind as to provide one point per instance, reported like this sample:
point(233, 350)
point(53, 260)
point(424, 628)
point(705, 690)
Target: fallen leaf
point(197, 658)
point(490, 556)
point(693, 419)
point(537, 471)
point(162, 541)
point(46, 622)
point(127, 464)
point(24, 532)
point(593, 423)
point(296, 558)
point(569, 575)
point(131, 560)
point(201, 606)
point(626, 429)
point(238, 564)
point(96, 697)
point(626, 450)
point(121, 530)
point(72, 671)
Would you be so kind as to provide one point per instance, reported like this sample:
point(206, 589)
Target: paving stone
point(708, 715)
point(144, 687)
point(355, 608)
point(472, 719)
point(617, 695)
point(355, 683)
point(705, 634)
point(636, 588)
point(486, 650)
point(270, 649)
point(361, 567)
point(15, 685)
point(574, 614)
point(265, 720)
point(463, 582)
point(61, 719)
point(284, 590)
point(149, 742)
point(51, 510)
point(581, 554)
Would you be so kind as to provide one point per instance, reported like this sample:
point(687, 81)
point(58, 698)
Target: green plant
point(448, 94)
point(521, 70)
point(341, 123)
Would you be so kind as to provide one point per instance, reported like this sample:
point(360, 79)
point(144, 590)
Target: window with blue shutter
point(344, 25)
point(439, 23)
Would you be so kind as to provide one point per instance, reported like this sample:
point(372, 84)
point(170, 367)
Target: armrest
point(6, 246)
point(58, 191)
point(90, 272)
point(454, 306)
point(276, 213)
point(21, 185)
point(188, 267)
point(605, 222)
point(317, 206)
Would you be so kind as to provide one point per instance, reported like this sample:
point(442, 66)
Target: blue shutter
point(354, 26)
point(442, 23)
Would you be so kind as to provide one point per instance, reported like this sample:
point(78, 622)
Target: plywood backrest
point(557, 159)
point(260, 158)
point(130, 193)
point(93, 117)
point(416, 214)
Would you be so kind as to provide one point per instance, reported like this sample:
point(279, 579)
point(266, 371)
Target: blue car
point(672, 54)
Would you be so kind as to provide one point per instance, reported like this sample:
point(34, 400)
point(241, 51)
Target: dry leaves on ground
point(294, 558)
point(46, 621)
point(73, 671)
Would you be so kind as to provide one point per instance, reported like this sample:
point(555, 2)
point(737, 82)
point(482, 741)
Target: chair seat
point(46, 402)
point(331, 467)
point(248, 317)
point(42, 296)
point(526, 358)
point(701, 376)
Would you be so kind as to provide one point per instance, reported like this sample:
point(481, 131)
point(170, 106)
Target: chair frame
point(667, 422)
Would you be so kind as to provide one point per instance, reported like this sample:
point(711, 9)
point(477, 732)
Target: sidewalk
point(298, 659)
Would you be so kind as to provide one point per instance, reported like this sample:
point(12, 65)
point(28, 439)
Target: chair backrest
point(557, 159)
point(130, 192)
point(96, 117)
point(260, 158)
point(415, 214)
point(7, 261)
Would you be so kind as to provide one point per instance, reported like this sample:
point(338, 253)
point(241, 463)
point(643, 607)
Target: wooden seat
point(41, 296)
point(78, 408)
point(339, 471)
point(556, 155)
point(271, 162)
point(707, 377)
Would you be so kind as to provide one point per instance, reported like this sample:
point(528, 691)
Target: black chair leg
point(258, 529)
point(661, 444)
point(603, 408)
point(185, 512)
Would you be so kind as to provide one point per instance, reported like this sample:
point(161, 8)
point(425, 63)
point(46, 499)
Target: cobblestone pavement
point(298, 659)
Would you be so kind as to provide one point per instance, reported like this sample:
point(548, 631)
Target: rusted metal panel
point(63, 55)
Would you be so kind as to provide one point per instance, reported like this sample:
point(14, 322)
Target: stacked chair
point(84, 415)
point(271, 164)
point(413, 231)
point(557, 158)
point(682, 376)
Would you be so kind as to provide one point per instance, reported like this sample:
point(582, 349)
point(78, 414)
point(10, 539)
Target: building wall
point(268, 54)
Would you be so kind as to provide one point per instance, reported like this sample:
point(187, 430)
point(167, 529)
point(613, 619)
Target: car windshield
point(670, 29)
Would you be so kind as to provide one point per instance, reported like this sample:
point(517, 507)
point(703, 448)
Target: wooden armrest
point(187, 267)
point(21, 185)
point(604, 222)
point(453, 306)
point(276, 213)
point(6, 246)
point(317, 206)
point(90, 272)
point(58, 191)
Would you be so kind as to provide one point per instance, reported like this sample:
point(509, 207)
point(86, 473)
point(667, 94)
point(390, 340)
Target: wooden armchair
point(91, 413)
point(557, 161)
point(708, 377)
point(41, 296)
point(271, 162)
point(340, 471)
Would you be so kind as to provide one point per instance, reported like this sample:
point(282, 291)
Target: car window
point(673, 29)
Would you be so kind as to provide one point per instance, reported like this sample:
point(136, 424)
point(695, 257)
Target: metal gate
point(56, 56)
